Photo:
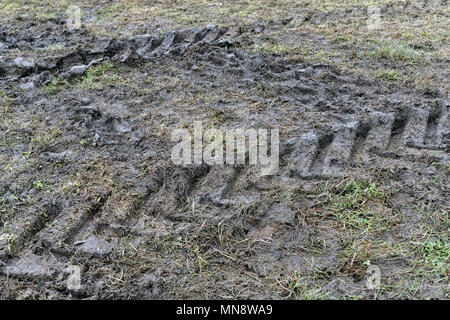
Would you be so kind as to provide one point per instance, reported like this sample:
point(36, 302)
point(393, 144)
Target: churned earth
point(88, 186)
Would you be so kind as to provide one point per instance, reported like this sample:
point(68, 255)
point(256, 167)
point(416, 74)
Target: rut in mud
point(99, 190)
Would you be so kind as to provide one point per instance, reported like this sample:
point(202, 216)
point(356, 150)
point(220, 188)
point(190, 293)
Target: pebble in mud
point(79, 70)
point(225, 43)
point(27, 86)
point(76, 71)
point(23, 63)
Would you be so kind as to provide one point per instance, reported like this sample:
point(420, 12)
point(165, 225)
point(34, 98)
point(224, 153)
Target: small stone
point(299, 73)
point(27, 86)
point(77, 71)
point(225, 43)
point(3, 46)
point(24, 63)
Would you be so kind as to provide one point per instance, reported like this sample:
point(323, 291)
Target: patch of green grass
point(435, 255)
point(109, 12)
point(274, 48)
point(312, 54)
point(304, 291)
point(3, 96)
point(394, 51)
point(390, 75)
point(38, 185)
point(57, 85)
point(245, 12)
point(101, 69)
point(103, 75)
point(10, 240)
point(302, 288)
point(5, 213)
point(360, 219)
point(352, 210)
point(55, 48)
point(44, 136)
point(355, 193)
point(358, 252)
point(249, 209)
point(95, 78)
point(14, 138)
point(39, 9)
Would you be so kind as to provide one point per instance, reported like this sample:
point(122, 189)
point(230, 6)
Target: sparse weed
point(394, 51)
point(434, 255)
point(390, 75)
point(56, 85)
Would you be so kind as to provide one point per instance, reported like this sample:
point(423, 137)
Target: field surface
point(92, 206)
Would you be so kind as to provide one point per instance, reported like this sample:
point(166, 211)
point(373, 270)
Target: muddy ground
point(87, 182)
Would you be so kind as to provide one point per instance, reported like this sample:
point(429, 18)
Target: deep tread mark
point(398, 127)
point(361, 135)
point(432, 137)
point(321, 152)
point(40, 222)
point(415, 129)
point(380, 135)
point(95, 207)
point(339, 152)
